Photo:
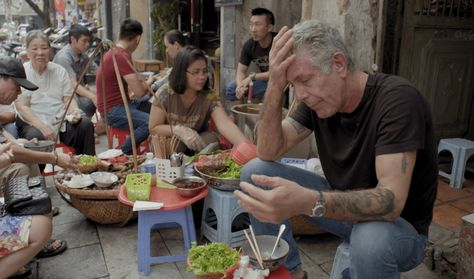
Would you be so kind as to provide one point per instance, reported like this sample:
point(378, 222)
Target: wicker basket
point(101, 206)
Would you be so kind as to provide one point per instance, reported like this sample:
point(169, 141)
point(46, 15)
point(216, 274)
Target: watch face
point(319, 210)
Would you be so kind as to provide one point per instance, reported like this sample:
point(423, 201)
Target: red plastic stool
point(66, 148)
point(120, 136)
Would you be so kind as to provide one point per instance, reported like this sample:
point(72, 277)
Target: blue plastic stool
point(342, 260)
point(226, 209)
point(461, 149)
point(148, 220)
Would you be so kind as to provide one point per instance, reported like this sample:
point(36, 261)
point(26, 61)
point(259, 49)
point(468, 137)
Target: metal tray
point(224, 184)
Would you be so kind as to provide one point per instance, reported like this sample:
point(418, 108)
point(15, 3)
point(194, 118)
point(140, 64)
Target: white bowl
point(265, 244)
point(104, 179)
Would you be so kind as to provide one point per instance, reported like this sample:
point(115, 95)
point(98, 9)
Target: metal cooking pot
point(246, 116)
point(42, 145)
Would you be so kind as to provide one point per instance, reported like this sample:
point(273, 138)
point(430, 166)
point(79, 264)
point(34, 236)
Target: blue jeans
point(140, 113)
point(378, 249)
point(259, 88)
point(11, 128)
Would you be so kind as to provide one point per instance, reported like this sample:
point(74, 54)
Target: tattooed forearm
point(298, 127)
point(374, 204)
point(404, 163)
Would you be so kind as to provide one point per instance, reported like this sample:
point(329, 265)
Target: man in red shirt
point(139, 105)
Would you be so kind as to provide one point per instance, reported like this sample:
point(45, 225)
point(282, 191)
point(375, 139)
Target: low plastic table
point(175, 210)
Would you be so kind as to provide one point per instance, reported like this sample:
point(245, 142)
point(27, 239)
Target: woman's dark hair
point(186, 56)
point(129, 29)
point(174, 36)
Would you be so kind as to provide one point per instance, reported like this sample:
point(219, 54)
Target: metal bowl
point(265, 244)
point(189, 186)
point(224, 184)
point(103, 179)
point(42, 145)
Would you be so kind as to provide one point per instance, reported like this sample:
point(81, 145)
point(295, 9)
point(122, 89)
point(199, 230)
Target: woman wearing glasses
point(189, 105)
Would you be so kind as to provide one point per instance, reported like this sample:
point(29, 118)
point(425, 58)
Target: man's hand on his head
point(280, 57)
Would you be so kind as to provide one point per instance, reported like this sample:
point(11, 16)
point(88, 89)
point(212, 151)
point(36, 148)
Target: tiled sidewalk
point(452, 204)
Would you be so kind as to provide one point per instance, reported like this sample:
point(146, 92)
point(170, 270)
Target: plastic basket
point(138, 186)
point(164, 170)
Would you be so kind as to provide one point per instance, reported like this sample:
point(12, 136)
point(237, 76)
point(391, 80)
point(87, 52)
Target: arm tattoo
point(372, 204)
point(404, 163)
point(298, 127)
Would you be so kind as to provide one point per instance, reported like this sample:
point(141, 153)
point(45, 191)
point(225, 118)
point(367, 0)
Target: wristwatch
point(252, 76)
point(319, 208)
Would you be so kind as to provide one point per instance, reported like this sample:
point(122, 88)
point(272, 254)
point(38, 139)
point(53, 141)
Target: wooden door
point(437, 55)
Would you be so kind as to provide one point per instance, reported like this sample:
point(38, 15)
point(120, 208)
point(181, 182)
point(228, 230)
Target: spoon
point(280, 233)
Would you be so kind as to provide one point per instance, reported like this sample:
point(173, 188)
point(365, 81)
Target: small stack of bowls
point(244, 152)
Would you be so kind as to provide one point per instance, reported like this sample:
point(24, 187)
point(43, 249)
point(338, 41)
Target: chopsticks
point(164, 146)
point(254, 245)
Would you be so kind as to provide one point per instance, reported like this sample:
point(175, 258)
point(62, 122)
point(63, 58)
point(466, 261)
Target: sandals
point(50, 250)
point(55, 210)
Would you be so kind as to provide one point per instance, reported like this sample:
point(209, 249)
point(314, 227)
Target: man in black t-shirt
point(255, 50)
point(377, 149)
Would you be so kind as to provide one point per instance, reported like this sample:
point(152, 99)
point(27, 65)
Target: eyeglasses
point(194, 73)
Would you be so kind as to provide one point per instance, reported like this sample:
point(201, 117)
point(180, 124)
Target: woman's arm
point(72, 110)
point(73, 107)
point(7, 117)
point(27, 115)
point(158, 124)
point(226, 126)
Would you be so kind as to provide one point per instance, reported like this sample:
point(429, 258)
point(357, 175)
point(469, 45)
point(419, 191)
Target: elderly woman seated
point(40, 111)
point(185, 106)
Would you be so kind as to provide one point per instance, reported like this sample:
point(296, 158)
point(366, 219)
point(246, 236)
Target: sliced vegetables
point(212, 258)
point(232, 169)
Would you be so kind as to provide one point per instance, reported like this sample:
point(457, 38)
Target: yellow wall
point(139, 10)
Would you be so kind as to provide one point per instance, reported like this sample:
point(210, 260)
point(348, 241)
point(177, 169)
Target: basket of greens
point(87, 163)
point(220, 171)
point(213, 261)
